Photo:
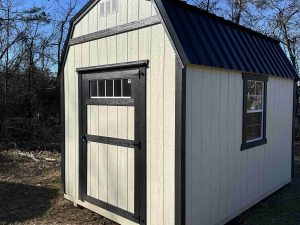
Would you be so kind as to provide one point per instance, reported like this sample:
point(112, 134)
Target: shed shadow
point(20, 202)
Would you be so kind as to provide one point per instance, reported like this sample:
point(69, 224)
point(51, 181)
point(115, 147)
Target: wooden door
point(113, 170)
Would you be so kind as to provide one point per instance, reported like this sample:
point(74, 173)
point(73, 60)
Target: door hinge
point(83, 138)
point(141, 73)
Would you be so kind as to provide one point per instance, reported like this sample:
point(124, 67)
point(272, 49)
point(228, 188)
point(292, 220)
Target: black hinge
point(141, 73)
point(84, 138)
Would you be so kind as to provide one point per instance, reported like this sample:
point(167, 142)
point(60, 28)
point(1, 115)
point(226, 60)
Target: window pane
point(93, 88)
point(259, 88)
point(254, 103)
point(253, 132)
point(101, 88)
point(253, 119)
point(117, 88)
point(109, 88)
point(127, 88)
point(251, 87)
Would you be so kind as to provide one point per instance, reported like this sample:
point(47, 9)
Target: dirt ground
point(30, 194)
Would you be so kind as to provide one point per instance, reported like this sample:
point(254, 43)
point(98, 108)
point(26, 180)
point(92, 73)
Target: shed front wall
point(151, 44)
point(222, 181)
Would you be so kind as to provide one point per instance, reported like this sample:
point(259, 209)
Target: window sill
point(253, 144)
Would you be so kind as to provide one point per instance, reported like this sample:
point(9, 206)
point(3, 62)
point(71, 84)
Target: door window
point(118, 88)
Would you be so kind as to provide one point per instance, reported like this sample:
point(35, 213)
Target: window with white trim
point(254, 116)
point(108, 7)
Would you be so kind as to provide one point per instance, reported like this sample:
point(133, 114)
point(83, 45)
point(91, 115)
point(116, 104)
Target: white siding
point(222, 181)
point(129, 11)
point(149, 43)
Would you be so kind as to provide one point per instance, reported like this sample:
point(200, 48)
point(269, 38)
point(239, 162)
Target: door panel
point(113, 140)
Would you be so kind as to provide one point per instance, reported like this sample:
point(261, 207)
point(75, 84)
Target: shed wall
point(223, 181)
point(152, 44)
point(129, 11)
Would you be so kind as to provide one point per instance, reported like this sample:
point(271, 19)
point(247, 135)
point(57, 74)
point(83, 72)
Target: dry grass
point(30, 194)
point(30, 191)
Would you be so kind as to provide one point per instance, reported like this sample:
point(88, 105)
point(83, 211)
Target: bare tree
point(284, 24)
point(208, 5)
point(61, 25)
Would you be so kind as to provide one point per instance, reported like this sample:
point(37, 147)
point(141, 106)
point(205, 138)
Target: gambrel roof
point(206, 39)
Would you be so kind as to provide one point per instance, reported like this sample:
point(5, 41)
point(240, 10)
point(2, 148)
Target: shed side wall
point(223, 181)
point(152, 44)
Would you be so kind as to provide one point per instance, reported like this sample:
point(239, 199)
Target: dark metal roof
point(205, 39)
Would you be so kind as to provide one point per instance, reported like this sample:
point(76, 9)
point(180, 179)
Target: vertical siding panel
point(113, 156)
point(189, 142)
point(93, 20)
point(84, 25)
point(268, 158)
point(133, 10)
point(122, 15)
point(144, 9)
point(85, 54)
point(78, 63)
point(157, 156)
point(196, 148)
point(77, 30)
point(145, 53)
point(94, 53)
point(223, 143)
point(101, 19)
point(131, 165)
point(169, 137)
point(238, 139)
point(111, 20)
point(231, 141)
point(122, 48)
point(103, 154)
point(93, 150)
point(112, 49)
point(215, 146)
point(88, 169)
point(122, 159)
point(103, 51)
point(206, 145)
point(133, 46)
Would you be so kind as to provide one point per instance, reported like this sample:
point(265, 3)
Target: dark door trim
point(139, 96)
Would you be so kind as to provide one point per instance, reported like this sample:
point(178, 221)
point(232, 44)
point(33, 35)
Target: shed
point(172, 115)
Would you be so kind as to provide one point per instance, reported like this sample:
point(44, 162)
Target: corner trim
point(180, 154)
point(293, 128)
point(62, 124)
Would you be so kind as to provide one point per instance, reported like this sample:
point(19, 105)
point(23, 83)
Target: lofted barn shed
point(172, 115)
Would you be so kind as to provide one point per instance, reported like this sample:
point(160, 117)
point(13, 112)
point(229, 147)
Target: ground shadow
point(20, 202)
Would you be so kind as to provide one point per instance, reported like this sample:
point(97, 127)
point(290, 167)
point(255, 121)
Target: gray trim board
point(139, 24)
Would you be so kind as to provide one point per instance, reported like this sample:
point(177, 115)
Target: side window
point(254, 111)
point(118, 88)
point(108, 7)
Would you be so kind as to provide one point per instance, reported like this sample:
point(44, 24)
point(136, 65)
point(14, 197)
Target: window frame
point(263, 140)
